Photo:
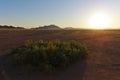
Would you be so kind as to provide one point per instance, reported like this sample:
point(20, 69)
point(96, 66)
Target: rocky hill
point(48, 27)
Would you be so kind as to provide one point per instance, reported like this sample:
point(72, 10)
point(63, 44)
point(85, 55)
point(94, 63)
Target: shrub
point(49, 55)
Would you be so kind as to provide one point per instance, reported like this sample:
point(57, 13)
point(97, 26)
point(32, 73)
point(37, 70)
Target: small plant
point(49, 55)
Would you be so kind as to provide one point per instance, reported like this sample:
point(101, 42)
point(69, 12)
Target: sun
point(99, 21)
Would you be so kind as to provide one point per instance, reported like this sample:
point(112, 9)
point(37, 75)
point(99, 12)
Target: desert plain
point(102, 63)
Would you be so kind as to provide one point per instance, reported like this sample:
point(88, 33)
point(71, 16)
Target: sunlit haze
point(99, 21)
point(85, 14)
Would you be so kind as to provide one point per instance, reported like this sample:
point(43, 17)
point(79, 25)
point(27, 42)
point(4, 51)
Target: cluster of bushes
point(49, 55)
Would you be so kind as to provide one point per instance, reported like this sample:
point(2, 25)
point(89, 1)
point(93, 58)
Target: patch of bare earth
point(103, 62)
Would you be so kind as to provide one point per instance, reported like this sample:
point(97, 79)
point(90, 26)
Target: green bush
point(49, 55)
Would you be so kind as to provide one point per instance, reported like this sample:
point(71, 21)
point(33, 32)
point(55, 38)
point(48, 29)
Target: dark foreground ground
point(103, 62)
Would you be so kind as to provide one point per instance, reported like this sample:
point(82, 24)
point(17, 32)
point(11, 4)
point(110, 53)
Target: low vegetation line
point(49, 56)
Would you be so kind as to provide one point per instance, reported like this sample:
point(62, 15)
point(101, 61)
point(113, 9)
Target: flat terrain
point(103, 62)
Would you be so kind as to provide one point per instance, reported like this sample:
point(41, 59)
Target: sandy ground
point(103, 62)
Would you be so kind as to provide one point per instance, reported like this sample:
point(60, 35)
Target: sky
point(64, 13)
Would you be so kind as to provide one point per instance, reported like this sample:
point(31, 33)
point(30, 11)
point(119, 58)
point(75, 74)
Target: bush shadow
point(9, 72)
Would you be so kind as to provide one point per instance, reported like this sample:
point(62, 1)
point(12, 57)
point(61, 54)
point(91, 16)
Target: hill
point(10, 27)
point(48, 27)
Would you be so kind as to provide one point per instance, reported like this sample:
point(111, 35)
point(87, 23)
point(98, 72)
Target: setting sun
point(99, 21)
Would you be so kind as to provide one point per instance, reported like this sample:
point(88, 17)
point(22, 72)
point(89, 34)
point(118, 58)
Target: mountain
point(10, 27)
point(69, 28)
point(48, 27)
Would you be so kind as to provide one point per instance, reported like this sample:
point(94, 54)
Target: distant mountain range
point(69, 28)
point(48, 27)
point(10, 27)
point(53, 27)
point(45, 27)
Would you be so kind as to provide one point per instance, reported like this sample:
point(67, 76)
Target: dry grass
point(103, 62)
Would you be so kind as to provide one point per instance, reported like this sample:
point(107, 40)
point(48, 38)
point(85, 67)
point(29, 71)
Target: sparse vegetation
point(49, 55)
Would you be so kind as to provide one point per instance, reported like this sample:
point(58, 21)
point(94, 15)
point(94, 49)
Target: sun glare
point(99, 21)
